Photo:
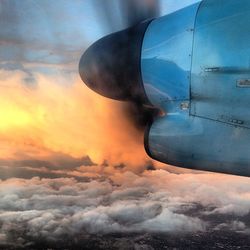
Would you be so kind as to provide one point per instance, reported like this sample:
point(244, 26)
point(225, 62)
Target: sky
point(72, 163)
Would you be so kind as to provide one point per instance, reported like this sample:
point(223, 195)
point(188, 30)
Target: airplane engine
point(194, 65)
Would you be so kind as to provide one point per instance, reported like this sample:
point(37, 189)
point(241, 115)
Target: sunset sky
point(72, 161)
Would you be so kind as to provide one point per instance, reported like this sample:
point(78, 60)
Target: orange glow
point(63, 115)
point(13, 116)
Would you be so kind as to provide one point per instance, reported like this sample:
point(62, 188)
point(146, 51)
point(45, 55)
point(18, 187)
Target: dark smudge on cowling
point(140, 115)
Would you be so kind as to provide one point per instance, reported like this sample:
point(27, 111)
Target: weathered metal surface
point(196, 68)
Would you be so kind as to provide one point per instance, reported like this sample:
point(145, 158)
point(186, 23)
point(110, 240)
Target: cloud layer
point(152, 202)
point(55, 118)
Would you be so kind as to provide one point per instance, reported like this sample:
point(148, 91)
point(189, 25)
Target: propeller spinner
point(111, 66)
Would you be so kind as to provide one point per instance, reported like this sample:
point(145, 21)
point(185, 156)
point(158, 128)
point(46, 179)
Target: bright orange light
point(56, 116)
point(13, 116)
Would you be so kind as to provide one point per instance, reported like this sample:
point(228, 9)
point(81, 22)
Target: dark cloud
point(58, 165)
point(61, 165)
point(56, 161)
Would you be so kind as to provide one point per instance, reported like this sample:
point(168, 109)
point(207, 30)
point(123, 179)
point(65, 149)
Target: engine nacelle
point(193, 64)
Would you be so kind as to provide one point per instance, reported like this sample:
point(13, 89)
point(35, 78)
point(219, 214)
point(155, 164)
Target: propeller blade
point(114, 15)
point(136, 11)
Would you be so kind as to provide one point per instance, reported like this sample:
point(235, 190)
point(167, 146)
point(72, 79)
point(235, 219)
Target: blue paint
point(192, 63)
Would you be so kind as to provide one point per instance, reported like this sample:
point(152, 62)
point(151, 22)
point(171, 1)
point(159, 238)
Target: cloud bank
point(152, 202)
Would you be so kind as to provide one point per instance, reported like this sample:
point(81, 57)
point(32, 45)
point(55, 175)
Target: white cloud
point(153, 202)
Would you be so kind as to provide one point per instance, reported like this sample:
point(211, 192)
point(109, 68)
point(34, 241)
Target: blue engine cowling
point(194, 65)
